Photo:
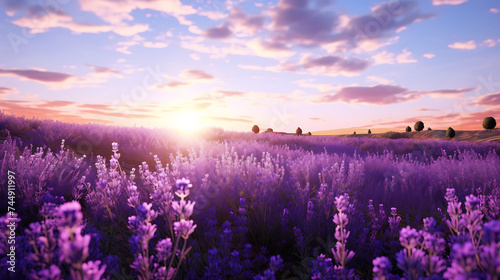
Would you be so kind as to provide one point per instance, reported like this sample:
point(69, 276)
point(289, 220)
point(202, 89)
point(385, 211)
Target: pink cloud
point(429, 55)
point(494, 10)
point(220, 32)
point(334, 65)
point(7, 90)
point(405, 57)
point(448, 2)
point(488, 100)
point(37, 75)
point(489, 43)
point(385, 94)
point(101, 69)
point(469, 45)
point(196, 75)
point(384, 57)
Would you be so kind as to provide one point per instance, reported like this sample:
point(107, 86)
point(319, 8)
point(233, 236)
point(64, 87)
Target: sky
point(314, 64)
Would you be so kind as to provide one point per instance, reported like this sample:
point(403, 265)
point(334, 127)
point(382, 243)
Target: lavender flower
point(70, 215)
point(92, 271)
point(184, 228)
point(381, 268)
point(164, 249)
point(492, 232)
point(183, 208)
point(409, 237)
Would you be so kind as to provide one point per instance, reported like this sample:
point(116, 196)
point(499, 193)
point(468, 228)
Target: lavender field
point(103, 202)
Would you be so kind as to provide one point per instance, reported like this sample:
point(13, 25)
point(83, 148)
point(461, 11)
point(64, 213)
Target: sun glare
point(187, 122)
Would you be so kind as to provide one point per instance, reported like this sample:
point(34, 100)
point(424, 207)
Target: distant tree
point(255, 129)
point(354, 132)
point(429, 128)
point(369, 131)
point(419, 126)
point(408, 129)
point(309, 133)
point(489, 123)
point(269, 130)
point(298, 131)
point(450, 132)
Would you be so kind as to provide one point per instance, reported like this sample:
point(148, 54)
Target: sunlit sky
point(282, 64)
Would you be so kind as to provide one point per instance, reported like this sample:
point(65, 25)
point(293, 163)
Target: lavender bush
point(263, 206)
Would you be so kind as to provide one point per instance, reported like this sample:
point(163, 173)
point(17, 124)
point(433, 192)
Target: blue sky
point(318, 64)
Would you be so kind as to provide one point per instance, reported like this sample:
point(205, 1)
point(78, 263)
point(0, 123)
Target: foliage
point(419, 126)
point(255, 129)
point(408, 129)
point(450, 132)
point(489, 123)
point(298, 131)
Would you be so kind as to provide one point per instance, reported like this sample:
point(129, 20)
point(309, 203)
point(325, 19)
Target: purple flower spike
point(381, 268)
point(342, 202)
point(114, 147)
point(91, 270)
point(51, 273)
point(183, 183)
point(75, 251)
point(409, 237)
point(184, 228)
point(492, 232)
point(164, 249)
point(70, 214)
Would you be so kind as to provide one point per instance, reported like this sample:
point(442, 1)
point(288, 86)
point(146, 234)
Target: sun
point(187, 122)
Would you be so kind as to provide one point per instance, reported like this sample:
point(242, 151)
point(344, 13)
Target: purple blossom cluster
point(263, 206)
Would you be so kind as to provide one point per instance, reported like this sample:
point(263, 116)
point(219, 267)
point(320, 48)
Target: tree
point(429, 128)
point(419, 126)
point(408, 129)
point(269, 130)
point(450, 132)
point(369, 131)
point(354, 132)
point(489, 123)
point(309, 133)
point(298, 131)
point(255, 129)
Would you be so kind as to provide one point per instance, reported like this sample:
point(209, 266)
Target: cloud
point(378, 95)
point(101, 69)
point(228, 93)
point(40, 18)
point(196, 75)
point(384, 94)
point(492, 99)
point(429, 55)
point(37, 75)
point(405, 57)
point(469, 45)
point(334, 65)
point(6, 91)
point(425, 110)
point(220, 32)
point(448, 2)
point(116, 12)
point(494, 10)
point(489, 43)
point(242, 22)
point(384, 57)
point(315, 119)
point(379, 80)
point(156, 45)
point(172, 84)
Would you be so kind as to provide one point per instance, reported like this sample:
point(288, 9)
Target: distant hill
point(461, 135)
point(359, 130)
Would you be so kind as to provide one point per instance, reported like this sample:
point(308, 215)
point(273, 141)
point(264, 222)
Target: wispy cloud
point(384, 94)
point(37, 75)
point(469, 45)
point(448, 2)
point(196, 74)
